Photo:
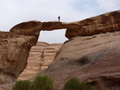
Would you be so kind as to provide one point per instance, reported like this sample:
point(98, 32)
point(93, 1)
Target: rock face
point(94, 59)
point(39, 59)
point(6, 86)
point(103, 23)
point(14, 51)
point(27, 28)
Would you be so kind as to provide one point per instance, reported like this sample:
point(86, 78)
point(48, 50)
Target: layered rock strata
point(39, 59)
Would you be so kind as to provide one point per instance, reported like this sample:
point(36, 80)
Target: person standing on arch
point(59, 18)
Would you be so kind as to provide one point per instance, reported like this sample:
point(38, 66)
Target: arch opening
point(56, 36)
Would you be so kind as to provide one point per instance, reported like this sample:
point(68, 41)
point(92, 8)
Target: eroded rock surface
point(6, 86)
point(14, 52)
point(94, 59)
point(39, 59)
point(103, 23)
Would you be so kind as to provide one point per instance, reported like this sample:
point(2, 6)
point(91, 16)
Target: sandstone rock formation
point(94, 59)
point(27, 28)
point(39, 59)
point(85, 55)
point(14, 51)
point(6, 86)
point(103, 23)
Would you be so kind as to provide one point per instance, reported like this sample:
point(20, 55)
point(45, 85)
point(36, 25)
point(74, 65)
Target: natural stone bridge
point(90, 26)
point(15, 44)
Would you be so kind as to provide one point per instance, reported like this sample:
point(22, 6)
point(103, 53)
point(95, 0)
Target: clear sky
point(13, 12)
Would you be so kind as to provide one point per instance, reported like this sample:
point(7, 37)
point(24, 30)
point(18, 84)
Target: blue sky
point(17, 11)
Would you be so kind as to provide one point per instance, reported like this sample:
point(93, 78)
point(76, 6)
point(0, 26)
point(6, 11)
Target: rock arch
point(23, 36)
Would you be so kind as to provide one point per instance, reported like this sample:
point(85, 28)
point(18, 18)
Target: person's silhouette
point(58, 18)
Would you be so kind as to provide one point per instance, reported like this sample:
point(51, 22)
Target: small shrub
point(43, 83)
point(21, 85)
point(75, 84)
point(32, 87)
